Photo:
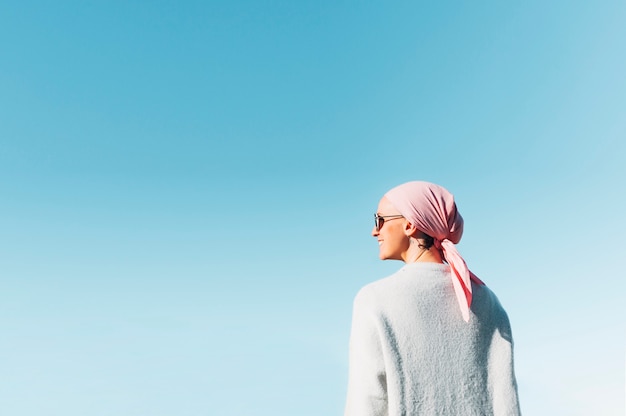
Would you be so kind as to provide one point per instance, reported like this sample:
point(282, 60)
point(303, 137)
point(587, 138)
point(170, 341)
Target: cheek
point(398, 244)
point(394, 242)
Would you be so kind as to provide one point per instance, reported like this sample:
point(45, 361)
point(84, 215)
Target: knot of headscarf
point(431, 209)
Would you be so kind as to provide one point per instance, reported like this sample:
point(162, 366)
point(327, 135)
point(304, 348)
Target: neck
point(415, 254)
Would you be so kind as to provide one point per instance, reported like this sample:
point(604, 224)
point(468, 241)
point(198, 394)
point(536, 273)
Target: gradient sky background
point(187, 191)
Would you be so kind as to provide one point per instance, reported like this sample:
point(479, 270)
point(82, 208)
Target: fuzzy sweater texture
point(411, 352)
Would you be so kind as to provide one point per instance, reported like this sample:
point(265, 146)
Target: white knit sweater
point(411, 352)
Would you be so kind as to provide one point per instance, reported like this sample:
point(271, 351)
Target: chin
point(384, 256)
point(389, 256)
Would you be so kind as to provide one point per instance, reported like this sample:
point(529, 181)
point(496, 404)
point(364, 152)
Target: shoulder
point(372, 296)
point(370, 293)
point(486, 298)
point(487, 307)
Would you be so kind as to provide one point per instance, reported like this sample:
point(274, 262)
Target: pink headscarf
point(431, 208)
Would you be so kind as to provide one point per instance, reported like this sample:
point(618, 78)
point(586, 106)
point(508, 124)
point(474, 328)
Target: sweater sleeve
point(367, 383)
point(502, 381)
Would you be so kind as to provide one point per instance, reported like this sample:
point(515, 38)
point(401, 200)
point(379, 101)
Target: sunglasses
point(379, 220)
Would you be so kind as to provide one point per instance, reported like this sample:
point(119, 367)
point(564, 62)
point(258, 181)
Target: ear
point(410, 229)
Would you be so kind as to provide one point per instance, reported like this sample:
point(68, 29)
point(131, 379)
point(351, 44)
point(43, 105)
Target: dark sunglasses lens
point(379, 221)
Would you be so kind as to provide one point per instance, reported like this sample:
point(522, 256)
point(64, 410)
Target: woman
point(430, 339)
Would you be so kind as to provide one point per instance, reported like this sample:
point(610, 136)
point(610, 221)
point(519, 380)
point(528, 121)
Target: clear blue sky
point(187, 192)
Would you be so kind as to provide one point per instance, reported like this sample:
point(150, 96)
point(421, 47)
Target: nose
point(375, 232)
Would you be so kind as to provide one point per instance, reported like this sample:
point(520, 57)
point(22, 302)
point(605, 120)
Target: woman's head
point(413, 217)
point(430, 208)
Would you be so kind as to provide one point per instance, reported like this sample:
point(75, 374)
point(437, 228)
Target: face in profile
point(390, 232)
